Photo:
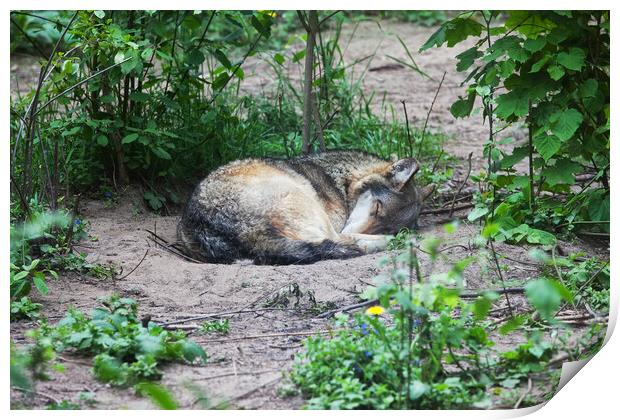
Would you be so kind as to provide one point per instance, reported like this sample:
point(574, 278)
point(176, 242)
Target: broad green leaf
point(195, 57)
point(477, 213)
point(546, 145)
point(278, 58)
point(481, 307)
point(561, 172)
point(459, 29)
point(435, 40)
point(159, 394)
point(546, 295)
point(130, 138)
point(518, 154)
point(192, 352)
point(534, 45)
point(555, 72)
point(39, 282)
point(588, 89)
point(102, 140)
point(539, 64)
point(462, 107)
point(417, 389)
point(221, 57)
point(573, 60)
point(220, 81)
point(512, 324)
point(99, 13)
point(20, 275)
point(467, 58)
point(161, 153)
point(512, 103)
point(564, 123)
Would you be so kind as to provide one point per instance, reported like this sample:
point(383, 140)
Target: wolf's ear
point(401, 172)
point(425, 192)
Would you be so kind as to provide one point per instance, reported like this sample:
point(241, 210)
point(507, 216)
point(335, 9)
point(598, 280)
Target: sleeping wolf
point(337, 204)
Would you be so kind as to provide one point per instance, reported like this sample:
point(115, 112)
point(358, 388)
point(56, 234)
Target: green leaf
point(129, 65)
point(481, 307)
point(195, 57)
point(546, 145)
point(564, 123)
point(159, 394)
point(512, 103)
point(534, 45)
point(459, 29)
point(518, 154)
point(39, 282)
point(588, 89)
point(161, 153)
point(555, 72)
point(417, 389)
point(20, 275)
point(462, 107)
point(220, 81)
point(192, 352)
point(99, 13)
point(260, 27)
point(221, 57)
point(546, 295)
point(130, 138)
point(573, 60)
point(539, 64)
point(477, 213)
point(279, 58)
point(561, 172)
point(299, 55)
point(435, 40)
point(102, 140)
point(467, 58)
point(512, 324)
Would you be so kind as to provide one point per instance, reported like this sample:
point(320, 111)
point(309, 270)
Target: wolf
point(335, 204)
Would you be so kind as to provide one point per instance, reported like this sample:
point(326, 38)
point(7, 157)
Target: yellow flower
point(375, 310)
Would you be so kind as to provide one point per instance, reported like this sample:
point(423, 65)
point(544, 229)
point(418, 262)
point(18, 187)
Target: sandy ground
point(246, 366)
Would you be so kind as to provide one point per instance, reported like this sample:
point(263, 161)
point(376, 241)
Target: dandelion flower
point(375, 310)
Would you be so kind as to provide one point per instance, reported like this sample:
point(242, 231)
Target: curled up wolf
point(336, 204)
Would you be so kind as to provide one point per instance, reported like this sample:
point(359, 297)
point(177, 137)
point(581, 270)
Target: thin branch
point(462, 184)
point(69, 89)
point(137, 265)
point(429, 114)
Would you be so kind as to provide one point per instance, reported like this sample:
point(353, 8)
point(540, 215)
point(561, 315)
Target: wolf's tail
point(291, 251)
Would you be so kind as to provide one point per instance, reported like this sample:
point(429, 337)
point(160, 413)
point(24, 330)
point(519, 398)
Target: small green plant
point(400, 240)
point(125, 352)
point(22, 279)
point(25, 309)
point(219, 326)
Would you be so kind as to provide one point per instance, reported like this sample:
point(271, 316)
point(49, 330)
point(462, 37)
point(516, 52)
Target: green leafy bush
point(424, 346)
point(539, 68)
point(125, 351)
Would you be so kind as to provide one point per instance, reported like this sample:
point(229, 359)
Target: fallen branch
point(224, 375)
point(32, 391)
point(137, 265)
point(273, 335)
point(527, 391)
point(219, 314)
point(447, 210)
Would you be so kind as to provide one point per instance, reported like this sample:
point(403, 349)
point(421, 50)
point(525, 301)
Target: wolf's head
point(387, 201)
